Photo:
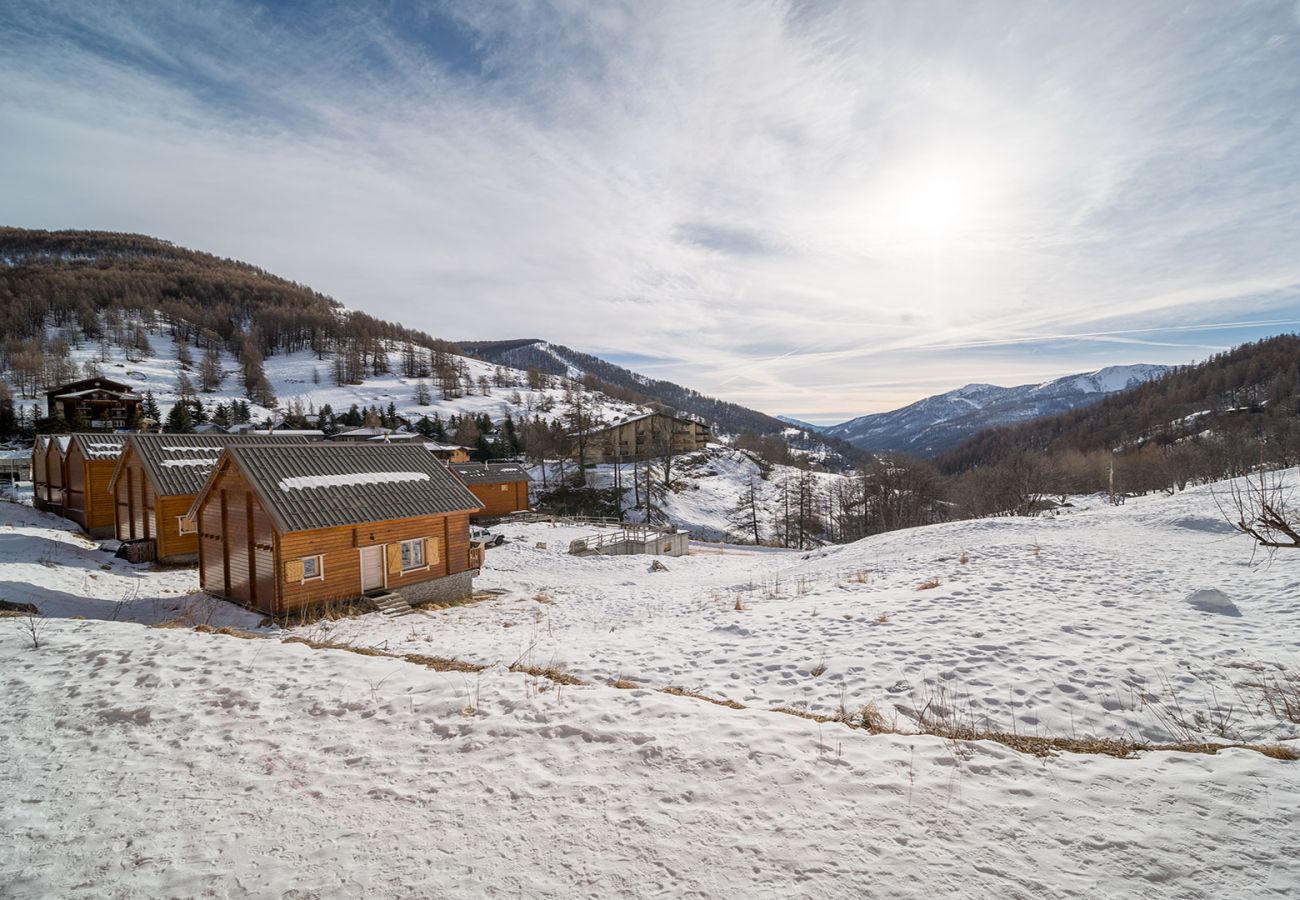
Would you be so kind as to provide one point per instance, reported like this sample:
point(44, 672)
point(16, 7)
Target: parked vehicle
point(486, 538)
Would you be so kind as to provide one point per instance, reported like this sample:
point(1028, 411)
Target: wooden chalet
point(451, 453)
point(56, 449)
point(501, 488)
point(40, 481)
point(645, 436)
point(287, 528)
point(155, 482)
point(98, 403)
point(87, 471)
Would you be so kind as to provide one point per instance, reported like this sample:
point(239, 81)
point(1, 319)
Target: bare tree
point(1260, 506)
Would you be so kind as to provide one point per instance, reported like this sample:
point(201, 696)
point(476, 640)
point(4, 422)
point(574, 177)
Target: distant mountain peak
point(930, 426)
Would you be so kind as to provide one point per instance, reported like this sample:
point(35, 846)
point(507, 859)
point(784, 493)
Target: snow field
point(1076, 625)
point(148, 762)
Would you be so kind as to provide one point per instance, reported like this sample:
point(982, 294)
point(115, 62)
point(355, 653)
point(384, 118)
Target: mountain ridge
point(936, 424)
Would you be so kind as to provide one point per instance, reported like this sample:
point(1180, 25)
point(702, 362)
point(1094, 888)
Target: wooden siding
point(87, 499)
point(341, 552)
point(500, 499)
point(74, 486)
point(54, 472)
point(140, 512)
point(237, 541)
point(40, 487)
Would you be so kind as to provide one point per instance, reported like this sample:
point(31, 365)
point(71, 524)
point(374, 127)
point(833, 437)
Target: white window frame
point(417, 547)
point(180, 525)
point(319, 560)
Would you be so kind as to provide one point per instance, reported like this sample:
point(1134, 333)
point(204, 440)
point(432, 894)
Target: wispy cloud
point(815, 209)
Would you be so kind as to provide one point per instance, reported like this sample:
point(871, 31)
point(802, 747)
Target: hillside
point(729, 418)
point(855, 718)
point(936, 424)
point(1211, 420)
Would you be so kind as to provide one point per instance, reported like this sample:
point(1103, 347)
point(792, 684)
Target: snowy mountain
point(935, 424)
point(556, 359)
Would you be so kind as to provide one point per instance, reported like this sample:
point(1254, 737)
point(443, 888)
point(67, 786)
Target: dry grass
point(549, 672)
point(542, 597)
point(442, 664)
point(696, 695)
point(740, 604)
point(929, 584)
point(861, 576)
point(623, 684)
point(10, 608)
point(882, 619)
point(1281, 694)
point(964, 558)
point(332, 611)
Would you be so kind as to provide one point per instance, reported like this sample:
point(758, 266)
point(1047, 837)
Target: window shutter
point(293, 571)
point(432, 551)
point(394, 559)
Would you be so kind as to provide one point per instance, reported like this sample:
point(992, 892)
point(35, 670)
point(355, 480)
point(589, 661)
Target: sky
point(817, 209)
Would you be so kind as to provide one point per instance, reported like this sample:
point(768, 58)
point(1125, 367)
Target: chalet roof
point(326, 485)
point(485, 473)
point(178, 464)
point(88, 383)
point(100, 446)
point(618, 423)
point(63, 442)
point(435, 446)
point(369, 432)
point(90, 392)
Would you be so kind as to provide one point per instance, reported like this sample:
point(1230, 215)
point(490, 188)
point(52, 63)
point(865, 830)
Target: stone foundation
point(440, 590)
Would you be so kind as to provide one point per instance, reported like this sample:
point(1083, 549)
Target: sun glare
point(938, 201)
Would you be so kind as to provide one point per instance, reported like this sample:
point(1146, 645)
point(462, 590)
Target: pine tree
point(150, 408)
point(179, 420)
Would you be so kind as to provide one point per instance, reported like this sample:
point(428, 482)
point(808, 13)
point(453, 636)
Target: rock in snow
point(1213, 600)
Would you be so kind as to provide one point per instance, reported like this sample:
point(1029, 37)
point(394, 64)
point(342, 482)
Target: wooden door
point(372, 568)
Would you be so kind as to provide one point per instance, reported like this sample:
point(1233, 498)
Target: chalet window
point(313, 567)
point(413, 554)
point(185, 525)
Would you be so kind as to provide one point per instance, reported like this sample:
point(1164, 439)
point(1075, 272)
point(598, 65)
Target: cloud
point(808, 208)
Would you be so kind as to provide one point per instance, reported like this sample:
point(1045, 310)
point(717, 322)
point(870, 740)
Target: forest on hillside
point(728, 417)
point(60, 290)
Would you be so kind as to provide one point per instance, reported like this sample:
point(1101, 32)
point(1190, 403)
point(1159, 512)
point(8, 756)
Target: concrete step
point(393, 605)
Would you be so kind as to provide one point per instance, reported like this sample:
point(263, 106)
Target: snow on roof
point(121, 395)
point(208, 461)
point(300, 482)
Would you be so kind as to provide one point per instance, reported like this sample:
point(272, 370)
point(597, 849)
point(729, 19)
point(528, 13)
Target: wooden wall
point(54, 477)
point(87, 499)
point(501, 499)
point(237, 543)
point(341, 549)
point(133, 502)
point(40, 489)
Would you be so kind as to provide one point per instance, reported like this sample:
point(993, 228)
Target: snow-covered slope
point(935, 424)
point(165, 762)
point(304, 378)
point(707, 489)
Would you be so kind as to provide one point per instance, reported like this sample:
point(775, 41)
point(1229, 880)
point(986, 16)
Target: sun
point(937, 201)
